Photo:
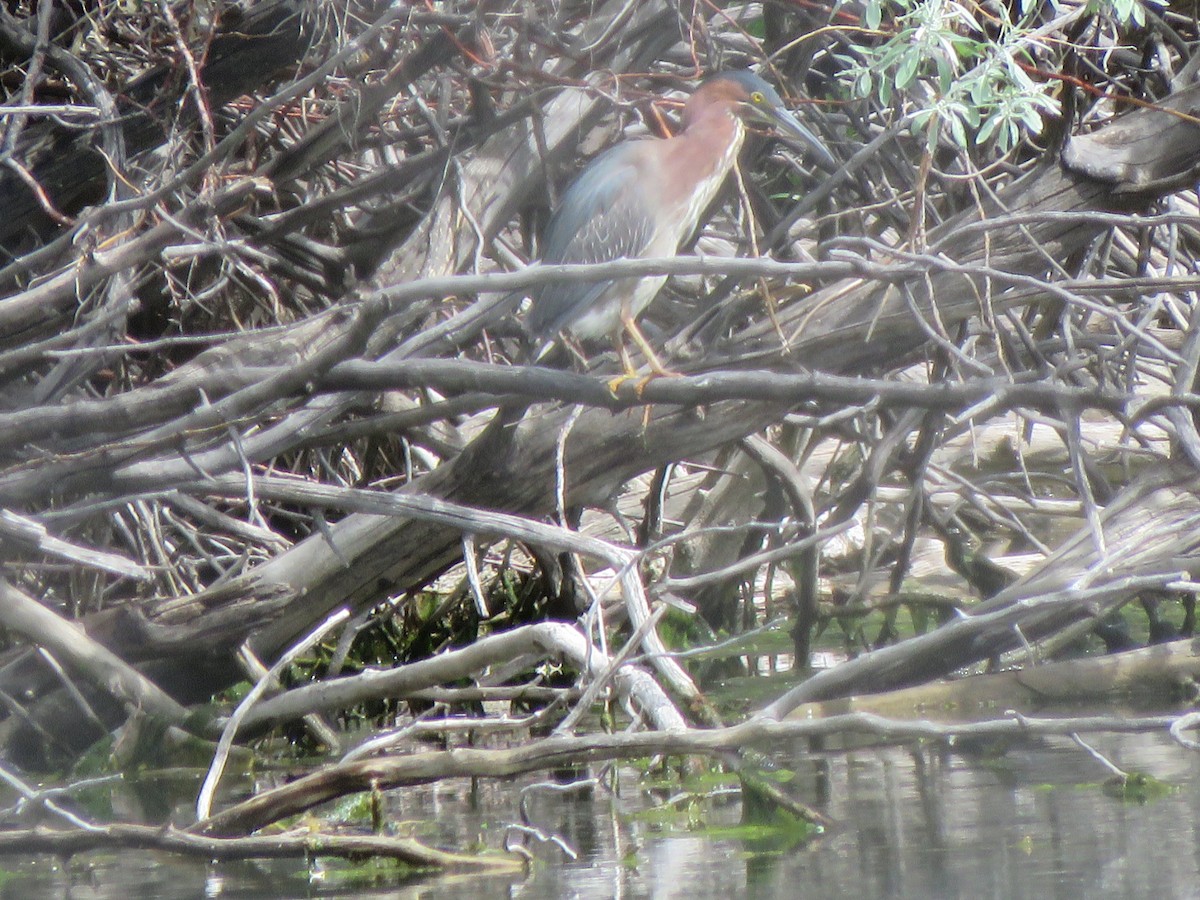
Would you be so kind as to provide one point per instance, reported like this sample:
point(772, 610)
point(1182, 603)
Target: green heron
point(644, 199)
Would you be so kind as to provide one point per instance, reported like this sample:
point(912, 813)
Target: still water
point(1024, 820)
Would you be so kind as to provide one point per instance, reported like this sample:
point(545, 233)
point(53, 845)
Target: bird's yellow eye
point(757, 98)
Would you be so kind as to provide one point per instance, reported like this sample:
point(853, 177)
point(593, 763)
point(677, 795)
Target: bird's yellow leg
point(628, 372)
point(657, 369)
point(656, 366)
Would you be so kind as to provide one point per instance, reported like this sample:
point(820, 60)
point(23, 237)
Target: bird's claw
point(614, 385)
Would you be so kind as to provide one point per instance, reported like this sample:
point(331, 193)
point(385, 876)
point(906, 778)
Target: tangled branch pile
point(260, 358)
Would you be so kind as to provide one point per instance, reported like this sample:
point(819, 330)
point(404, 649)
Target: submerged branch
point(464, 762)
point(301, 846)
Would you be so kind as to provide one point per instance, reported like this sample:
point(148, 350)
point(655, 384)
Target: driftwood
point(301, 847)
point(272, 373)
point(1091, 574)
point(421, 768)
point(1149, 675)
point(512, 466)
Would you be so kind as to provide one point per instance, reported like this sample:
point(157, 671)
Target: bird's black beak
point(789, 126)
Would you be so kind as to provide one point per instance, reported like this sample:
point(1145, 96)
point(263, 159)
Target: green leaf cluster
point(975, 71)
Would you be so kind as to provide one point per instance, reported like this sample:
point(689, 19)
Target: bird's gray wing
point(602, 216)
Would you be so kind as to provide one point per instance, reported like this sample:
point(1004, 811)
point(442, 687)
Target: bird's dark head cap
point(754, 101)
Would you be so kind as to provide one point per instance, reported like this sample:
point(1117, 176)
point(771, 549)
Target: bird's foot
point(614, 385)
point(658, 372)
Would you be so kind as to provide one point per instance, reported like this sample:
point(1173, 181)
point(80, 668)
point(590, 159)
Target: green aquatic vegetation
point(681, 813)
point(765, 826)
point(767, 837)
point(354, 808)
point(358, 873)
point(736, 696)
point(1138, 787)
point(698, 783)
point(144, 744)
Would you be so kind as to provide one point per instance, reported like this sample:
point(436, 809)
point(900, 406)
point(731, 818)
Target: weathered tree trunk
point(846, 328)
point(1150, 537)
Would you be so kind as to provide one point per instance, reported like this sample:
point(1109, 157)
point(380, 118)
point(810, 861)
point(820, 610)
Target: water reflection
point(921, 821)
point(1031, 821)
